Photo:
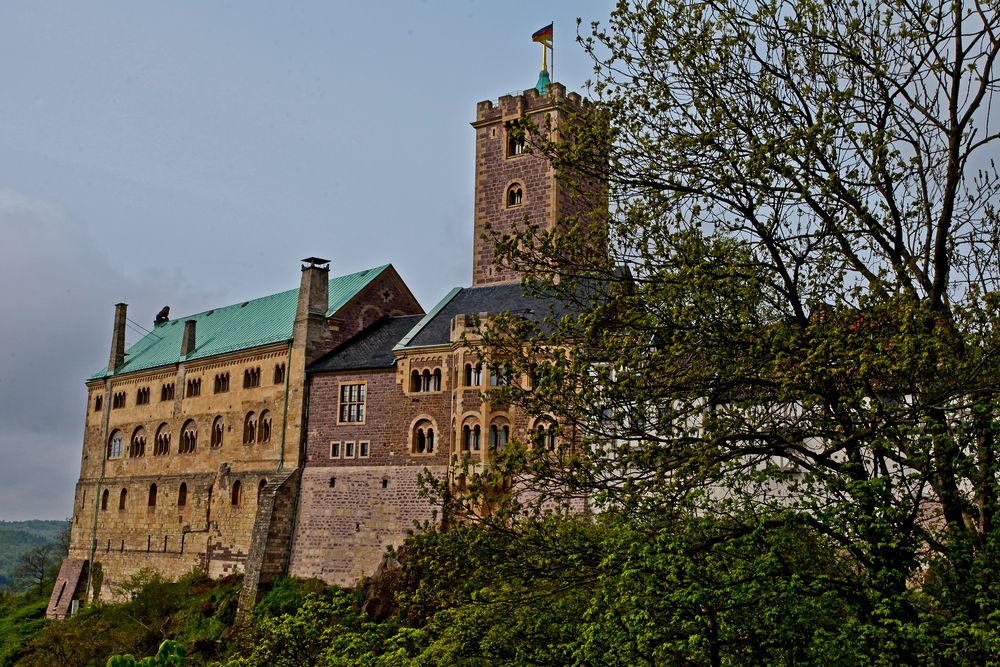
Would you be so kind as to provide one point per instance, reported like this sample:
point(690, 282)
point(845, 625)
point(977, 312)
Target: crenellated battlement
point(529, 101)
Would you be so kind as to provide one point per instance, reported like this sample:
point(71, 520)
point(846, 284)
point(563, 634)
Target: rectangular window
point(334, 450)
point(349, 450)
point(363, 449)
point(352, 403)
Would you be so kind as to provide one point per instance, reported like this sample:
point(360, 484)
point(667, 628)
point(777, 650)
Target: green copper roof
point(543, 82)
point(241, 326)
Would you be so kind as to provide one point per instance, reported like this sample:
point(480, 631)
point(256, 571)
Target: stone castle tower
point(514, 183)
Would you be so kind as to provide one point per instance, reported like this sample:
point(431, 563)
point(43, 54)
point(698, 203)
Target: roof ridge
point(427, 318)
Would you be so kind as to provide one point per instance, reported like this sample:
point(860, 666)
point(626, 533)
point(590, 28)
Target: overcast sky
point(190, 153)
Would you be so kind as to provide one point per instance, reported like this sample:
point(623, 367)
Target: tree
point(34, 566)
point(794, 327)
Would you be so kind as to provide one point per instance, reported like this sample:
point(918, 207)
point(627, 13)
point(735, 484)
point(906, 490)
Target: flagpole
point(552, 57)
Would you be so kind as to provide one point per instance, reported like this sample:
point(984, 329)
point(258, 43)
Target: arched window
point(137, 446)
point(251, 378)
point(249, 428)
point(415, 381)
point(264, 427)
point(545, 436)
point(515, 195)
point(189, 437)
point(477, 375)
point(115, 445)
point(468, 376)
point(436, 380)
point(218, 429)
point(182, 495)
point(471, 434)
point(237, 493)
point(425, 380)
point(279, 373)
point(161, 444)
point(122, 497)
point(499, 434)
point(260, 488)
point(423, 437)
point(152, 495)
point(104, 500)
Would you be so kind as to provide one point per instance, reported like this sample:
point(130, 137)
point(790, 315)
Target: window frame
point(363, 402)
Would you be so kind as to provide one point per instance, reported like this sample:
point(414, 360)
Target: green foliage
point(790, 345)
point(327, 629)
point(20, 620)
point(170, 654)
point(195, 612)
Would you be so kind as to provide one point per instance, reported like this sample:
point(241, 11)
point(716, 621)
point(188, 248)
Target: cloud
point(58, 288)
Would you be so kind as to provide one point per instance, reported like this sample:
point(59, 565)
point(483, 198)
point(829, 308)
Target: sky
point(190, 154)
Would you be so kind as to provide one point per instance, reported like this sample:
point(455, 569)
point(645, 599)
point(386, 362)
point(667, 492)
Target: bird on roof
point(162, 316)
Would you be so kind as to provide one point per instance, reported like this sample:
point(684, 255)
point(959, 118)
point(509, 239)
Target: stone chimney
point(117, 357)
point(310, 330)
point(188, 342)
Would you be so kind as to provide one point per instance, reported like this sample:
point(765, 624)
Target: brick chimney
point(117, 357)
point(188, 342)
point(310, 330)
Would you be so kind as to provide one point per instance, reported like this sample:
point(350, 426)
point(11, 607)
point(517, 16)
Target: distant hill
point(16, 537)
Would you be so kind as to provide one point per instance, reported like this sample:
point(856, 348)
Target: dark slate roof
point(435, 327)
point(371, 348)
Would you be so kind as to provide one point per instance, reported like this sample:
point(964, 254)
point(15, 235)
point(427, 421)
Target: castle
point(286, 434)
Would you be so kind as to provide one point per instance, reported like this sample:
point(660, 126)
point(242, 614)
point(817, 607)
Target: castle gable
point(370, 349)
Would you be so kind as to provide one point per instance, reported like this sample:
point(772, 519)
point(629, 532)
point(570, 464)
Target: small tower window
point(104, 500)
point(237, 493)
point(515, 140)
point(122, 498)
point(152, 496)
point(515, 195)
point(249, 428)
point(218, 428)
point(182, 495)
point(264, 427)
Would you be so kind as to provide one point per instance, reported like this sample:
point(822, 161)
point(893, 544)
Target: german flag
point(544, 36)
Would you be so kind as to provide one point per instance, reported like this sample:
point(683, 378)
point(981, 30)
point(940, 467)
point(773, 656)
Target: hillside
point(16, 537)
